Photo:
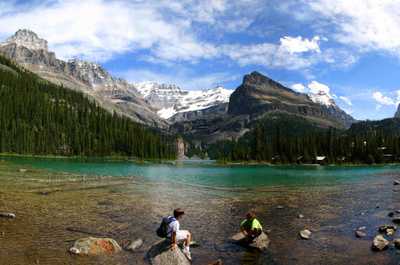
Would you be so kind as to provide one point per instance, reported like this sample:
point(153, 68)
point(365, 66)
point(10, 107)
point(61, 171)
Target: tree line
point(41, 118)
point(295, 140)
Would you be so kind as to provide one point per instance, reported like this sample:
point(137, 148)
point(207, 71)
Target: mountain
point(114, 94)
point(38, 117)
point(397, 114)
point(257, 97)
point(170, 100)
point(259, 94)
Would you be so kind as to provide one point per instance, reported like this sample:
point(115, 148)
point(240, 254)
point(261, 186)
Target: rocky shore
point(56, 218)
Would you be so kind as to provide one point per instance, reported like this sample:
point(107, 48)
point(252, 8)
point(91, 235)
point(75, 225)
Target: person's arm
point(244, 232)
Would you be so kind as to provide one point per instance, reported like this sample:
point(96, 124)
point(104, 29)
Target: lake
point(60, 200)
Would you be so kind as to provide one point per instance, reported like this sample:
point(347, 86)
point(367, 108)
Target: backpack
point(162, 231)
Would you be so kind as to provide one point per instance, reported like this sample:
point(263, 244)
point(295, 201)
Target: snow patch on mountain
point(28, 39)
point(171, 99)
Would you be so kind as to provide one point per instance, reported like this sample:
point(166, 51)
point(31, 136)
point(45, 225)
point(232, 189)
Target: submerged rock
point(162, 254)
point(387, 229)
point(391, 214)
point(396, 220)
point(8, 215)
point(132, 246)
point(379, 243)
point(261, 242)
point(305, 234)
point(92, 246)
point(360, 234)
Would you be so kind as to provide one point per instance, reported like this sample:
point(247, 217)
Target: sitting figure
point(176, 235)
point(250, 227)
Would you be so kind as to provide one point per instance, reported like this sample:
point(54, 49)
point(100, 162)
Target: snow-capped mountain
point(171, 99)
point(321, 97)
point(28, 39)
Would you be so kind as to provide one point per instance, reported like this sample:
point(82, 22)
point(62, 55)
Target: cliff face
point(259, 94)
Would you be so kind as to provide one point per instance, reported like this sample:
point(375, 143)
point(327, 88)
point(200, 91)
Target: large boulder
point(162, 254)
point(380, 243)
point(91, 246)
point(261, 242)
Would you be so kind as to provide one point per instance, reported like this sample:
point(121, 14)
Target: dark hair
point(178, 212)
point(251, 214)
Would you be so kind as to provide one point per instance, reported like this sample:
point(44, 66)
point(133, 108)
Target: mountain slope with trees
point(41, 118)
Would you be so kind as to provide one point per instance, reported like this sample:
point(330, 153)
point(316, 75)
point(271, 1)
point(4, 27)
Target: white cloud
point(346, 100)
point(300, 45)
point(366, 24)
point(299, 88)
point(383, 100)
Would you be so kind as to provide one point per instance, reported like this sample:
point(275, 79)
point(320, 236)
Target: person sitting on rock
point(176, 235)
point(251, 227)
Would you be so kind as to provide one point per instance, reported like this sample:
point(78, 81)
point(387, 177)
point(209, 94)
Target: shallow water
point(126, 201)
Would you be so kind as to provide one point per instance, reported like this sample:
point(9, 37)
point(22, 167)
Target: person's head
point(250, 215)
point(178, 213)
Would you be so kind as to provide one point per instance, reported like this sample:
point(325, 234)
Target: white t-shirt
point(174, 226)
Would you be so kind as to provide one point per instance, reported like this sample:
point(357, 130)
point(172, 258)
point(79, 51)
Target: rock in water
point(8, 215)
point(305, 234)
point(92, 246)
point(261, 242)
point(396, 182)
point(379, 243)
point(360, 234)
point(161, 254)
point(396, 220)
point(132, 246)
point(217, 262)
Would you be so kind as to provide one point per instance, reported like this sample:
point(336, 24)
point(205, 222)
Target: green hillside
point(41, 118)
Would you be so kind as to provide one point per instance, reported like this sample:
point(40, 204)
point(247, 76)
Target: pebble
point(360, 234)
point(305, 234)
point(279, 207)
point(8, 215)
point(300, 216)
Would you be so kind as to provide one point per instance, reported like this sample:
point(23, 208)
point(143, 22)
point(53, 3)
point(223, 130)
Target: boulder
point(380, 243)
point(387, 229)
point(305, 234)
point(261, 242)
point(396, 182)
point(133, 245)
point(91, 246)
point(162, 254)
point(8, 215)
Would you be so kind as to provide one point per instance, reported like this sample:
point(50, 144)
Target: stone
point(280, 207)
point(23, 170)
point(397, 243)
point(385, 228)
point(379, 243)
point(391, 214)
point(362, 228)
point(360, 234)
point(133, 246)
point(8, 215)
point(300, 216)
point(92, 246)
point(396, 220)
point(261, 242)
point(162, 254)
point(390, 232)
point(396, 182)
point(305, 234)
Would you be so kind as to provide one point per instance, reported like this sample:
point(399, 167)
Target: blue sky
point(350, 49)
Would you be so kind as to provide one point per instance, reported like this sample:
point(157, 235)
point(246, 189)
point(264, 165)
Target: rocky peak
point(89, 72)
point(28, 39)
point(255, 78)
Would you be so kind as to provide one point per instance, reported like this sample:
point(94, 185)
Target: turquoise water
point(210, 174)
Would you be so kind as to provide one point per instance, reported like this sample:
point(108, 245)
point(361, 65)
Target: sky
point(349, 49)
